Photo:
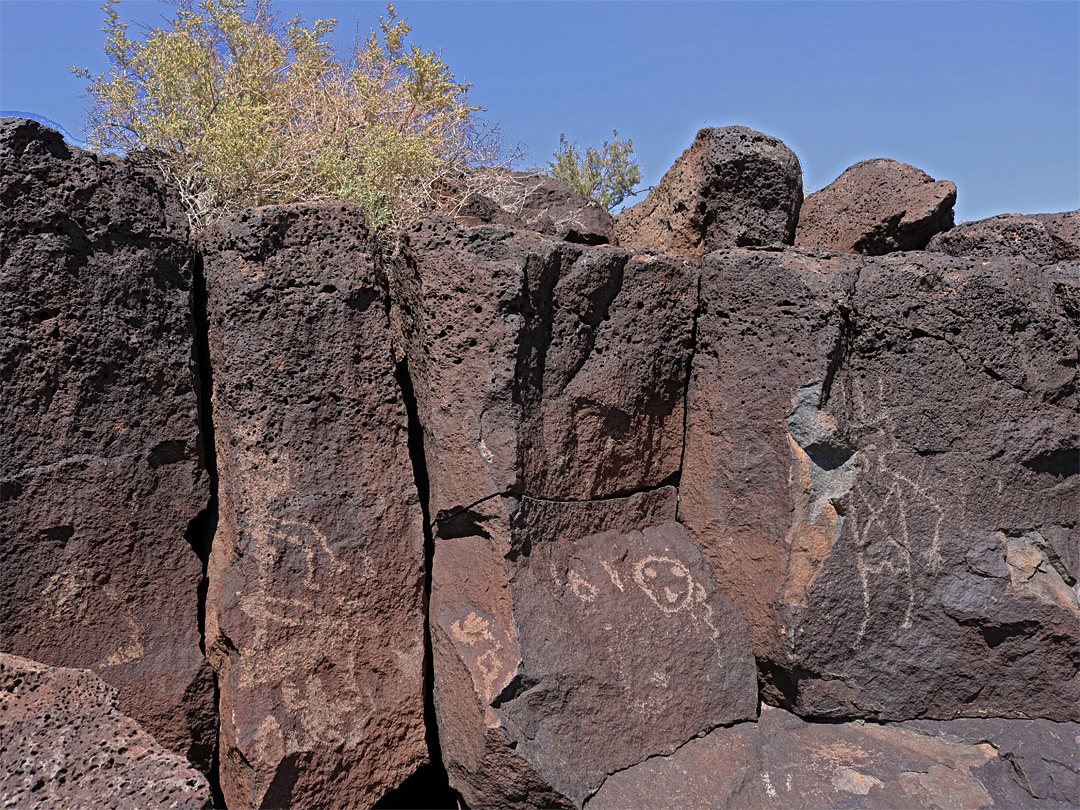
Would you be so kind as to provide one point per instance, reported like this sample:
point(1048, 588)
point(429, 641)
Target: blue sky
point(986, 94)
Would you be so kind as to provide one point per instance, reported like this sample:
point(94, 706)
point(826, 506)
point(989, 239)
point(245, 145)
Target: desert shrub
point(238, 109)
point(607, 175)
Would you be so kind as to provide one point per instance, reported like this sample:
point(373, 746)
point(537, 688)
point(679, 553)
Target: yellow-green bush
point(238, 110)
point(607, 175)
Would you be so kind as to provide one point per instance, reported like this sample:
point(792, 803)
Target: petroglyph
point(582, 588)
point(329, 705)
point(613, 575)
point(66, 593)
point(666, 581)
point(884, 543)
point(489, 650)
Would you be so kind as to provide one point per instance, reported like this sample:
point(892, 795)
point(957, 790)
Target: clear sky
point(986, 94)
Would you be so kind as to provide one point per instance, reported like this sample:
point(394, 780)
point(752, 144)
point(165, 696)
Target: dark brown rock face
point(783, 762)
point(540, 367)
point(877, 206)
point(64, 744)
point(315, 613)
point(884, 473)
point(553, 625)
point(770, 327)
point(1002, 236)
point(1064, 230)
point(99, 455)
point(733, 187)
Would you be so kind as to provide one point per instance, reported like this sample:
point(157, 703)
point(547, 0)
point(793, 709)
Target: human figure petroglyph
point(491, 651)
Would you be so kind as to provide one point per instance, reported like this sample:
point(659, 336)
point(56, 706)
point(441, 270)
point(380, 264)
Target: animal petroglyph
point(329, 705)
point(885, 543)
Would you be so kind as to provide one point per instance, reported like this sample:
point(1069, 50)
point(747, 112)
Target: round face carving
point(666, 581)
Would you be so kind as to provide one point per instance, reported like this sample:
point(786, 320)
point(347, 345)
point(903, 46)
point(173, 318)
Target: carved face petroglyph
point(666, 581)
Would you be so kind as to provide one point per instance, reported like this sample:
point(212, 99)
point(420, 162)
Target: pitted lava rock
point(541, 367)
point(315, 607)
point(733, 187)
point(877, 206)
point(883, 471)
point(64, 744)
point(527, 200)
point(1000, 237)
point(99, 436)
point(656, 476)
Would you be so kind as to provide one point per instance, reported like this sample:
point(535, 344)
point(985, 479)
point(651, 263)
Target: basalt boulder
point(64, 744)
point(315, 614)
point(1002, 236)
point(101, 470)
point(785, 763)
point(540, 367)
point(733, 187)
point(877, 206)
point(881, 462)
point(553, 627)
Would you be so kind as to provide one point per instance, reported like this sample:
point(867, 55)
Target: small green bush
point(239, 110)
point(607, 175)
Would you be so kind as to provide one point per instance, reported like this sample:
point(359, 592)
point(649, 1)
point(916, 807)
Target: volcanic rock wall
point(590, 513)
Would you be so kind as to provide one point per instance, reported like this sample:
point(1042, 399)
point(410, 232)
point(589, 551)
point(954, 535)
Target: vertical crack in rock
point(686, 391)
point(201, 529)
point(429, 787)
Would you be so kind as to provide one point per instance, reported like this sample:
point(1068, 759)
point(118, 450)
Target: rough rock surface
point(733, 187)
point(999, 237)
point(877, 206)
point(99, 455)
point(769, 330)
point(541, 367)
point(64, 744)
point(785, 763)
point(533, 201)
point(886, 479)
point(315, 607)
point(1064, 230)
point(553, 625)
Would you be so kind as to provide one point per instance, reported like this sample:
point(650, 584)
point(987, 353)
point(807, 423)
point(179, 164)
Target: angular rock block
point(100, 464)
point(998, 237)
point(785, 763)
point(541, 367)
point(913, 555)
point(733, 187)
point(315, 620)
point(64, 744)
point(1064, 230)
point(877, 206)
point(555, 627)
point(770, 331)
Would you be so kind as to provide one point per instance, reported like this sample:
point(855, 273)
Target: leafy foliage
point(607, 175)
point(239, 110)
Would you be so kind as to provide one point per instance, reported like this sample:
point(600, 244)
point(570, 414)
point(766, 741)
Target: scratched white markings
point(882, 525)
point(294, 556)
point(666, 581)
point(489, 650)
point(65, 594)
